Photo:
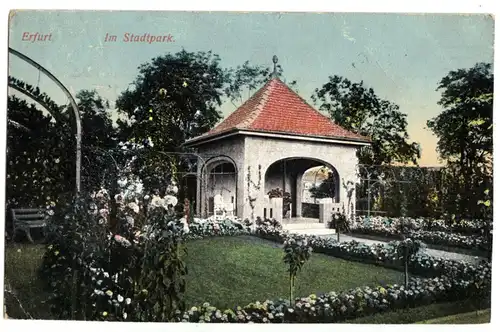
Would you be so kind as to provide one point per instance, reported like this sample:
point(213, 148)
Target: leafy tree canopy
point(176, 97)
point(357, 108)
point(465, 135)
point(465, 126)
point(248, 78)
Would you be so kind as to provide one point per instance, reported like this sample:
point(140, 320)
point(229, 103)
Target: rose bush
point(103, 264)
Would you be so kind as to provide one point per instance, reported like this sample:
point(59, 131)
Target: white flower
point(120, 298)
point(146, 197)
point(123, 241)
point(51, 212)
point(170, 200)
point(124, 315)
point(119, 198)
point(172, 189)
point(157, 201)
point(109, 293)
point(104, 212)
point(139, 187)
point(106, 274)
point(122, 183)
point(134, 207)
point(128, 300)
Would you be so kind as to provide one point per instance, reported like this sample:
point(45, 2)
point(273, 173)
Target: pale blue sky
point(401, 56)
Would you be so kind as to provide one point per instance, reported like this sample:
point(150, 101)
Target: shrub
point(297, 253)
point(100, 266)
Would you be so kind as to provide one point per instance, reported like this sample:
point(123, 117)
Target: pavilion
point(269, 142)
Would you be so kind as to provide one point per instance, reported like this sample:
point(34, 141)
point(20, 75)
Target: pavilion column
point(298, 203)
point(199, 188)
point(240, 191)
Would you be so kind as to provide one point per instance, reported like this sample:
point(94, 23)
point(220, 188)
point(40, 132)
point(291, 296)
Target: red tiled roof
point(275, 108)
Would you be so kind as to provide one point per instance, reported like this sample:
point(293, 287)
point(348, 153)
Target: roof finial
point(275, 70)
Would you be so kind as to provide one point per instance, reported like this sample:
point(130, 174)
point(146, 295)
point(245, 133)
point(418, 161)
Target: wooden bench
point(27, 219)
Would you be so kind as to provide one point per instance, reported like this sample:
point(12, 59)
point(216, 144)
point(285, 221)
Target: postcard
point(263, 167)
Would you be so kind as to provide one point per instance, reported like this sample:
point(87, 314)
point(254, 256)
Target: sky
point(401, 56)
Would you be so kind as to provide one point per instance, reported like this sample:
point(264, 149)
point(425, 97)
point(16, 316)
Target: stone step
point(313, 231)
point(315, 225)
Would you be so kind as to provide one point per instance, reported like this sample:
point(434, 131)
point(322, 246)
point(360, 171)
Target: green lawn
point(225, 271)
point(475, 317)
point(230, 271)
point(437, 313)
point(21, 283)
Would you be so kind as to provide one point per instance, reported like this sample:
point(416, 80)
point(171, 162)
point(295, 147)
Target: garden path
point(322, 231)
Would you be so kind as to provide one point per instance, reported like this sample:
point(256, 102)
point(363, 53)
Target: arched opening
point(220, 189)
point(320, 184)
point(187, 189)
point(290, 177)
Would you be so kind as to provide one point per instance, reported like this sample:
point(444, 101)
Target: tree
point(326, 189)
point(357, 108)
point(175, 97)
point(96, 119)
point(247, 78)
point(99, 138)
point(340, 223)
point(465, 131)
point(297, 252)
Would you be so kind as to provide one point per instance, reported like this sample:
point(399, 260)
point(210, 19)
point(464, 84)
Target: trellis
point(383, 175)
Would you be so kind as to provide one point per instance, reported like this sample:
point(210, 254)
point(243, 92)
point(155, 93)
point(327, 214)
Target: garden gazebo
point(268, 143)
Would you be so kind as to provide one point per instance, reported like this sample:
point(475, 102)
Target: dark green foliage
point(327, 188)
point(41, 147)
point(465, 135)
point(248, 78)
point(357, 108)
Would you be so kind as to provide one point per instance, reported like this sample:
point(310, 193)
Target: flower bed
point(466, 227)
point(381, 254)
point(332, 307)
point(430, 232)
point(457, 280)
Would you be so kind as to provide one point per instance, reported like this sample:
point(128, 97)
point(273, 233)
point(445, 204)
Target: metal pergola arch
point(74, 106)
